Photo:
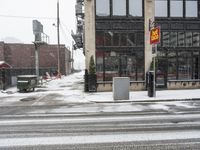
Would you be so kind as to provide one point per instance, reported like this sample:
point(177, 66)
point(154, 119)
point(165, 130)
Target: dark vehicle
point(26, 82)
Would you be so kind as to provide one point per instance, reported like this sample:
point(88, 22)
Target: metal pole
point(72, 56)
point(154, 68)
point(36, 61)
point(58, 37)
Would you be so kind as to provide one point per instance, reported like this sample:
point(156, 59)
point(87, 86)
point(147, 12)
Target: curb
point(148, 101)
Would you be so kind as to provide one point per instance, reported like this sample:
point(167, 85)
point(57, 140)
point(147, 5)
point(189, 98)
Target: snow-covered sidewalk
point(69, 89)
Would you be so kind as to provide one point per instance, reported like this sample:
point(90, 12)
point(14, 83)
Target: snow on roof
point(2, 62)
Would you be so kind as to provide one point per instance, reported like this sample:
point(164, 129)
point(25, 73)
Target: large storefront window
point(191, 8)
point(114, 64)
point(135, 7)
point(119, 7)
point(102, 7)
point(161, 8)
point(184, 66)
point(176, 8)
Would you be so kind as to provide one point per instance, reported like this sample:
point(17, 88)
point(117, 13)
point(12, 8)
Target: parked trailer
point(26, 83)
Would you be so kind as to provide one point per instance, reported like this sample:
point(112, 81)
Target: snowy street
point(176, 128)
point(59, 115)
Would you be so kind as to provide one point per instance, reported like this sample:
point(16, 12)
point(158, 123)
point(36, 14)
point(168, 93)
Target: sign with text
point(155, 35)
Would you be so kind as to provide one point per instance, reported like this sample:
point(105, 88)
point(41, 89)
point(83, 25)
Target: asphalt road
point(158, 125)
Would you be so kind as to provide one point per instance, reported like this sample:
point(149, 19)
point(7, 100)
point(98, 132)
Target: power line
point(27, 17)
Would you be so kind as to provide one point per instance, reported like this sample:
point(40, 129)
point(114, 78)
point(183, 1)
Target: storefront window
point(123, 41)
point(191, 8)
point(119, 7)
point(161, 8)
point(99, 65)
point(181, 39)
point(116, 39)
point(135, 7)
point(165, 38)
point(102, 7)
point(140, 39)
point(176, 8)
point(111, 66)
point(140, 66)
point(108, 38)
point(99, 38)
point(188, 39)
point(172, 68)
point(196, 39)
point(173, 38)
point(184, 66)
point(131, 41)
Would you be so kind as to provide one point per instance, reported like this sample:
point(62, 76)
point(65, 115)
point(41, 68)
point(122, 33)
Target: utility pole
point(58, 37)
point(36, 60)
point(72, 56)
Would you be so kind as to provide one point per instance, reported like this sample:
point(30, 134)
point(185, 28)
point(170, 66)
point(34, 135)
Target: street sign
point(155, 35)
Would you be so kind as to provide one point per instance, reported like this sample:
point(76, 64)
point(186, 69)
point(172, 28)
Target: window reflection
point(181, 39)
point(99, 38)
point(119, 7)
point(172, 68)
point(102, 7)
point(165, 37)
point(184, 67)
point(191, 8)
point(116, 39)
point(108, 38)
point(123, 41)
point(135, 7)
point(131, 39)
point(196, 39)
point(188, 39)
point(176, 8)
point(161, 8)
point(140, 39)
point(173, 39)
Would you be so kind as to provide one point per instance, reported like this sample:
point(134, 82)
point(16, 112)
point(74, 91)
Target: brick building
point(21, 57)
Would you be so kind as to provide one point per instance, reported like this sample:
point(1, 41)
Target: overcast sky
point(16, 20)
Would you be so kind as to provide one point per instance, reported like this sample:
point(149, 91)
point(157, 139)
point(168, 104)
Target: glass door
point(195, 67)
point(161, 73)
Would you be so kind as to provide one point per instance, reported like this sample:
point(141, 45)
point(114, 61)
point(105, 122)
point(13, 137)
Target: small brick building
point(22, 59)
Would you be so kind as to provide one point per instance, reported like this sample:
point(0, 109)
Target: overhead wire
point(27, 17)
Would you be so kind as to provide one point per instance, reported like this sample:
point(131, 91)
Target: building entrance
point(195, 70)
point(161, 73)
